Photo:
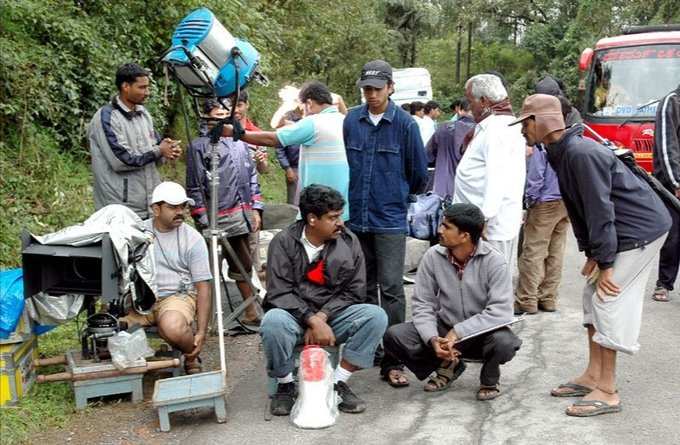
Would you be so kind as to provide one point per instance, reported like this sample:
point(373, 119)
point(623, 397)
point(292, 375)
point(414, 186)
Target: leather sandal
point(445, 376)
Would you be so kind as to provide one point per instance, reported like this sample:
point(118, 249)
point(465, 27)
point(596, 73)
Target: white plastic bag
point(316, 405)
point(126, 349)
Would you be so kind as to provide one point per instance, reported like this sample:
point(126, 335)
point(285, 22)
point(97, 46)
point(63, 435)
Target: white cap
point(170, 192)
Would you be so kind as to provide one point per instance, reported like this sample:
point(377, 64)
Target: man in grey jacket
point(124, 146)
point(463, 288)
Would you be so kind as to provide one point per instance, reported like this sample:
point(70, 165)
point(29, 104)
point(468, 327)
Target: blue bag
point(11, 300)
point(424, 215)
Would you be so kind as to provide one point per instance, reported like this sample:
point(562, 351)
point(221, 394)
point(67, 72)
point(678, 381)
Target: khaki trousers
point(540, 264)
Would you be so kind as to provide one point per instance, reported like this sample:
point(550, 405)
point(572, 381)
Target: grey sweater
point(480, 300)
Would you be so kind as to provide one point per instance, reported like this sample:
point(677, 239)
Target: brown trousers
point(540, 264)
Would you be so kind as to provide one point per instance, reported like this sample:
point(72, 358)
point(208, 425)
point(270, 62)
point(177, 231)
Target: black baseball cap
point(376, 74)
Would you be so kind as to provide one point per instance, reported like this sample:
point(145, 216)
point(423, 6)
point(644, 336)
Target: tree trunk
point(458, 48)
point(469, 49)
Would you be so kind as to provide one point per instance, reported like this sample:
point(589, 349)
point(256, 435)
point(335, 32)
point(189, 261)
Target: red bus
point(623, 79)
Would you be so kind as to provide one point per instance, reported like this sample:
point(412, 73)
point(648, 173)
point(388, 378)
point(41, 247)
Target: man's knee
point(172, 326)
point(374, 318)
point(393, 340)
point(504, 345)
point(277, 322)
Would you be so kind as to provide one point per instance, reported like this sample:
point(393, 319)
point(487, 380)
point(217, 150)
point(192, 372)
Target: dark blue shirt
point(288, 156)
point(386, 163)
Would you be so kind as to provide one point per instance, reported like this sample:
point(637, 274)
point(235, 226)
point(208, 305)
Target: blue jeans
point(360, 327)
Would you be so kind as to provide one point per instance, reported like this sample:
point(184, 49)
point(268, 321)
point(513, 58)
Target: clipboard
point(493, 328)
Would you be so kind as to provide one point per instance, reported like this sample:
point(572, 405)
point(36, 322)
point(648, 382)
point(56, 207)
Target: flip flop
point(494, 391)
point(600, 408)
point(395, 383)
point(661, 294)
point(576, 390)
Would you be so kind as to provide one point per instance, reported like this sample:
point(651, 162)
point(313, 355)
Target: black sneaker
point(284, 399)
point(349, 402)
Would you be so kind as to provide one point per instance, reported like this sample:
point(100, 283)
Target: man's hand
point(257, 220)
point(199, 340)
point(606, 285)
point(589, 267)
point(170, 149)
point(319, 333)
point(291, 176)
point(443, 348)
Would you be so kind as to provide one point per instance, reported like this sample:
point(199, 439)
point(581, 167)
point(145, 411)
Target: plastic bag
point(54, 310)
point(11, 300)
point(126, 349)
point(317, 404)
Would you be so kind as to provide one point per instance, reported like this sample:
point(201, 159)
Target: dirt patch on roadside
point(118, 421)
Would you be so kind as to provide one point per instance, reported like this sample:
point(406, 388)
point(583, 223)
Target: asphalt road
point(553, 351)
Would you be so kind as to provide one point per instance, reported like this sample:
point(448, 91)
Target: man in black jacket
point(316, 289)
point(621, 224)
point(667, 170)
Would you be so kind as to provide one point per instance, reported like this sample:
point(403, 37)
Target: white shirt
point(375, 118)
point(311, 250)
point(427, 128)
point(491, 176)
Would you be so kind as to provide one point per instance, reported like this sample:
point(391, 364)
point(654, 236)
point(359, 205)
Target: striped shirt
point(323, 159)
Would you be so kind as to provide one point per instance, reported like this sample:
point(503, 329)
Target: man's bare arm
point(203, 306)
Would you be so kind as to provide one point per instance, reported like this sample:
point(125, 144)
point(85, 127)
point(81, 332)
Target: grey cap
point(376, 74)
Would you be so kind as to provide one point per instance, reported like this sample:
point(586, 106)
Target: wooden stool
point(189, 391)
point(87, 389)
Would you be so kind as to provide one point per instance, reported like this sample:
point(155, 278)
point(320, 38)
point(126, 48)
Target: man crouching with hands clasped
point(463, 287)
point(316, 287)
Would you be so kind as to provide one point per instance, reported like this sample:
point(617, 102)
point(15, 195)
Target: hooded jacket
point(667, 141)
point(288, 284)
point(611, 210)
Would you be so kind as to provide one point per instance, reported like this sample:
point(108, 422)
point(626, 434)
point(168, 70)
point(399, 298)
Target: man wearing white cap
point(182, 275)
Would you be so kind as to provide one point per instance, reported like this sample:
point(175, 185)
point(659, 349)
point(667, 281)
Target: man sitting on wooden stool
point(463, 288)
point(316, 289)
point(182, 276)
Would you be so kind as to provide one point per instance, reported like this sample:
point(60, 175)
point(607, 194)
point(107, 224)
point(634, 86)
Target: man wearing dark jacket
point(239, 202)
point(667, 170)
point(621, 225)
point(316, 290)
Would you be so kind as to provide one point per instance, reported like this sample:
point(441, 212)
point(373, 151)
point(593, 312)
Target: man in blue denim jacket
point(386, 163)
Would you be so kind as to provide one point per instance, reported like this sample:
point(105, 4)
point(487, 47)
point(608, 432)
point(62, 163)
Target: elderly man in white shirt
point(492, 171)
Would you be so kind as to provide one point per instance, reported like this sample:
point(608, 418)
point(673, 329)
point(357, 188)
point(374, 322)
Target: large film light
point(204, 54)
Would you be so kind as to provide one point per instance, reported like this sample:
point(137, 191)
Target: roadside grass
point(44, 190)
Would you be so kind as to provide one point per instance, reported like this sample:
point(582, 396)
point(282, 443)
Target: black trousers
point(669, 258)
point(404, 345)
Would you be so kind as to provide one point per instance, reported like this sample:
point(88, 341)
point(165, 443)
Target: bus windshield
point(625, 79)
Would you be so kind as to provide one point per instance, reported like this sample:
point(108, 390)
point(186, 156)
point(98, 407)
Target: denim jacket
point(386, 163)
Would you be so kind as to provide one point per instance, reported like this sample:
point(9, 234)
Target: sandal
point(488, 392)
point(575, 390)
point(396, 378)
point(193, 367)
point(445, 376)
point(661, 294)
point(599, 407)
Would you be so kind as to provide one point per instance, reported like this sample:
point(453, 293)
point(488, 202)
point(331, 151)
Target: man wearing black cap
point(386, 162)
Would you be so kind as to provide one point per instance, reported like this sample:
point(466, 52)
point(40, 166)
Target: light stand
point(216, 235)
